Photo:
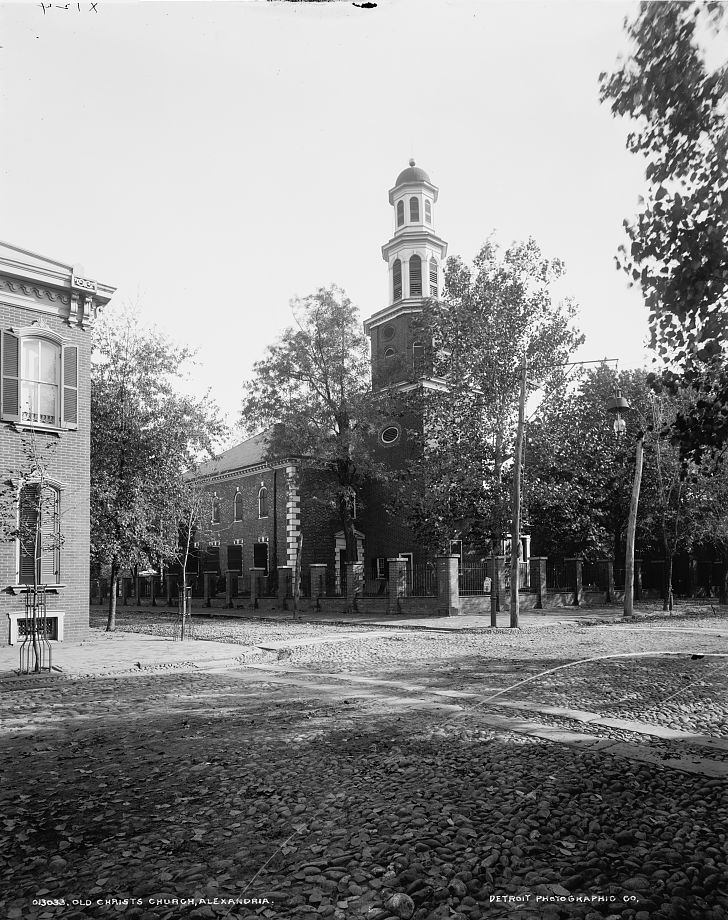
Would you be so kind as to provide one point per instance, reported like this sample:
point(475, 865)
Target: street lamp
point(616, 405)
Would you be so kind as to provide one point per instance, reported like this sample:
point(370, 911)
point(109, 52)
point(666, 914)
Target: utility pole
point(632, 528)
point(516, 504)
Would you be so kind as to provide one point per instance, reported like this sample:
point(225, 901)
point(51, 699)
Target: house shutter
point(28, 515)
point(10, 377)
point(49, 553)
point(70, 386)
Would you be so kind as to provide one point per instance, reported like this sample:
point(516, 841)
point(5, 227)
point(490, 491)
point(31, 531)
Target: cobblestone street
point(355, 772)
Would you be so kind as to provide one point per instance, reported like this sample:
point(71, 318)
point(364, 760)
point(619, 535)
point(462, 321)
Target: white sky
point(215, 159)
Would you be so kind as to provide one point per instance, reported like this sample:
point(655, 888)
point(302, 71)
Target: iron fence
point(557, 577)
point(474, 579)
point(422, 580)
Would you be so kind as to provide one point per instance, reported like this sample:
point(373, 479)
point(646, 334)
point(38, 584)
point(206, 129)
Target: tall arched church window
point(433, 277)
point(397, 280)
point(428, 212)
point(263, 502)
point(400, 213)
point(414, 210)
point(415, 276)
point(215, 509)
point(238, 507)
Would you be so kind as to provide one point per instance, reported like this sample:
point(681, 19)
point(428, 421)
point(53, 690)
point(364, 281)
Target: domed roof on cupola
point(411, 174)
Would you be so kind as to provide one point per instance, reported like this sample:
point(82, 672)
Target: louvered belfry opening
point(433, 277)
point(428, 212)
point(397, 280)
point(414, 210)
point(415, 276)
point(400, 213)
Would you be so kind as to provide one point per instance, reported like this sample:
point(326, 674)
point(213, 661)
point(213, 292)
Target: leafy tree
point(578, 476)
point(144, 436)
point(674, 87)
point(709, 520)
point(312, 390)
point(490, 316)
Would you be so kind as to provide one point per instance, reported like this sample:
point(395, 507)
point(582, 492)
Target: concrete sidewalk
point(123, 652)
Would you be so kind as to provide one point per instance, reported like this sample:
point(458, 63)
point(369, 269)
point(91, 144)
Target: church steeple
point(414, 256)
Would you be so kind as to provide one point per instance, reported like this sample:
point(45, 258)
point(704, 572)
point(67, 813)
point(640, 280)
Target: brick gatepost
point(448, 588)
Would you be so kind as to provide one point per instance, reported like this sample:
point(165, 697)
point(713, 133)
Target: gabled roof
point(246, 454)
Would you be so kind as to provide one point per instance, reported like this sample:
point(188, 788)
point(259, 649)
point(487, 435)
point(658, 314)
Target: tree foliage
point(312, 392)
point(145, 434)
point(490, 316)
point(674, 87)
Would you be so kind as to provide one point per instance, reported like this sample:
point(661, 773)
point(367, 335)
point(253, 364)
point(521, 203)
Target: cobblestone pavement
point(356, 780)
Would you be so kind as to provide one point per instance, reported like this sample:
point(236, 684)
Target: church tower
point(415, 256)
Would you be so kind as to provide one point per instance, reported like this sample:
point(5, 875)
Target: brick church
point(260, 511)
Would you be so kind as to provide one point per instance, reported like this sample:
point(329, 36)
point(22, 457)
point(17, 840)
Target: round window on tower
point(388, 333)
point(390, 434)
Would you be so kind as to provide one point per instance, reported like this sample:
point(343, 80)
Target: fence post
point(153, 589)
point(448, 586)
point(638, 579)
point(499, 580)
point(256, 573)
point(138, 589)
point(538, 578)
point(576, 579)
point(317, 571)
point(354, 584)
point(285, 578)
point(397, 572)
point(229, 575)
point(609, 581)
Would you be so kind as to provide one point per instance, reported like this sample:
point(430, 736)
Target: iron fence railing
point(422, 580)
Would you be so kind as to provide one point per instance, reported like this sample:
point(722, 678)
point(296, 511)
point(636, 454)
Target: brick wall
point(71, 467)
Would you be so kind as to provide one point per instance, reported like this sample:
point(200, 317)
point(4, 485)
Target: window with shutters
point(396, 280)
point(39, 535)
point(433, 277)
point(38, 379)
point(263, 502)
point(415, 276)
point(238, 507)
point(428, 212)
point(414, 210)
point(400, 213)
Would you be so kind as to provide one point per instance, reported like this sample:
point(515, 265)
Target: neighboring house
point(46, 312)
point(257, 511)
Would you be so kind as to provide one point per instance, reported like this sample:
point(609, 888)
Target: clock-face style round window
point(388, 333)
point(390, 434)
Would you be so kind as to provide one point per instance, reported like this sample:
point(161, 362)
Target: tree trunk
point(631, 531)
point(723, 591)
point(516, 501)
point(113, 582)
point(496, 530)
point(667, 600)
point(352, 552)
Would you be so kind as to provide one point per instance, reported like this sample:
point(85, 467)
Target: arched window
point(418, 355)
point(415, 276)
point(39, 378)
point(433, 277)
point(215, 509)
point(414, 210)
point(389, 353)
point(263, 502)
point(396, 280)
point(238, 507)
point(400, 213)
point(39, 535)
point(40, 381)
point(428, 211)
